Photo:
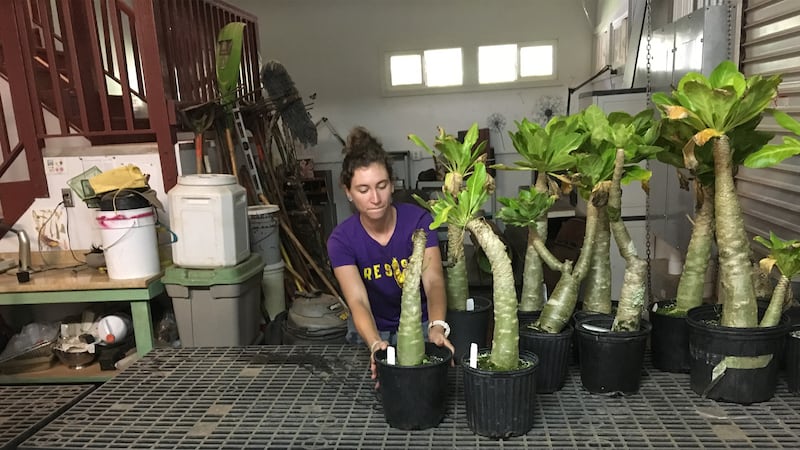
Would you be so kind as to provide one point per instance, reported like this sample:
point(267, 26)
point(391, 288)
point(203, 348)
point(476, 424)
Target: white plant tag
point(470, 304)
point(390, 356)
point(655, 307)
point(473, 355)
point(544, 291)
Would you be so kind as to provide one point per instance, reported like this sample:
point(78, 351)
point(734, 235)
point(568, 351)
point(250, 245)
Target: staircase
point(111, 71)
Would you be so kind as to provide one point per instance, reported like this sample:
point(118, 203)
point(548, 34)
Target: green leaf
point(786, 121)
point(786, 253)
point(727, 74)
point(635, 173)
point(770, 155)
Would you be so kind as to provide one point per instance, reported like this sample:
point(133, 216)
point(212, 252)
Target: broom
point(282, 92)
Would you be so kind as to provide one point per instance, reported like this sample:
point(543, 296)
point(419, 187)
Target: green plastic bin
point(218, 307)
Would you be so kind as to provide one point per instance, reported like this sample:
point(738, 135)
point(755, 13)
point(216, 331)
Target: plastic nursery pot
point(414, 397)
point(554, 351)
point(793, 360)
point(738, 365)
point(578, 316)
point(467, 327)
point(611, 361)
point(669, 339)
point(500, 404)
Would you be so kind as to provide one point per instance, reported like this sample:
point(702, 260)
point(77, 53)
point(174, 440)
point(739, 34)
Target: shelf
point(59, 373)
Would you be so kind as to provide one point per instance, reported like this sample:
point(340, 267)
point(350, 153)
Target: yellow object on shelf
point(124, 177)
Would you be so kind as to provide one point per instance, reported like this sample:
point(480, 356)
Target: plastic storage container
point(208, 214)
point(217, 307)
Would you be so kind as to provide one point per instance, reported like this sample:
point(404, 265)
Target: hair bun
point(359, 140)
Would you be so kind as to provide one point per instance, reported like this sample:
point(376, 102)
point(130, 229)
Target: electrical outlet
point(416, 154)
point(66, 197)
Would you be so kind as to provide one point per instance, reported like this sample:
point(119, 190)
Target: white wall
point(335, 49)
point(75, 228)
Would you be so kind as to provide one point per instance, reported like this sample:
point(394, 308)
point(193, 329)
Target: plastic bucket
point(272, 290)
point(130, 243)
point(265, 233)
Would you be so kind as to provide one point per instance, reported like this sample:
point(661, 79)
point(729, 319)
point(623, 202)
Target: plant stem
point(559, 307)
point(457, 286)
point(505, 341)
point(698, 254)
point(410, 343)
point(631, 297)
point(532, 296)
point(739, 309)
point(597, 290)
point(773, 314)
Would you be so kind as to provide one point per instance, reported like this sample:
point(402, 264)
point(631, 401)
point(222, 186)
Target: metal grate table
point(321, 397)
point(25, 409)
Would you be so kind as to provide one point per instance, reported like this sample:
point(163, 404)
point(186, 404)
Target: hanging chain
point(729, 46)
point(648, 96)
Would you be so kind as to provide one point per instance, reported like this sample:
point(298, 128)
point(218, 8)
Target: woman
point(371, 248)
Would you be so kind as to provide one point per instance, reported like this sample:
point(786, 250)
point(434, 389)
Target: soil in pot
point(738, 365)
point(554, 351)
point(611, 361)
point(501, 404)
point(669, 339)
point(467, 327)
point(414, 397)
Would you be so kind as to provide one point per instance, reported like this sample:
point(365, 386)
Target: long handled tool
point(229, 56)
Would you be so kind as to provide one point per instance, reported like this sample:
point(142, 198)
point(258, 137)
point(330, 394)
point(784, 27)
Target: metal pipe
point(24, 250)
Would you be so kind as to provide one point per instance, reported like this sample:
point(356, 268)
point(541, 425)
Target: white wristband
point(442, 324)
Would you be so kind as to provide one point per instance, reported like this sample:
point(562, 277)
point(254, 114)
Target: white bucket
point(272, 290)
point(130, 243)
point(265, 233)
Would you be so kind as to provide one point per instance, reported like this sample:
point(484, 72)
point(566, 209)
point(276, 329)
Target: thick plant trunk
point(410, 343)
point(532, 296)
point(698, 254)
point(634, 286)
point(740, 309)
point(597, 289)
point(775, 309)
point(561, 304)
point(457, 286)
point(505, 341)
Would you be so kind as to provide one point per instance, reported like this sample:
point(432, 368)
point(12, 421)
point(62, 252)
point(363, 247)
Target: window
point(432, 68)
point(447, 70)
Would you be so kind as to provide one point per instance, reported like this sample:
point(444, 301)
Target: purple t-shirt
point(350, 245)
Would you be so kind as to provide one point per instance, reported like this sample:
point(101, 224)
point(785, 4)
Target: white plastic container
point(130, 243)
point(208, 214)
point(265, 232)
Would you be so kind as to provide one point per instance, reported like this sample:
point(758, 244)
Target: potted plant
point(670, 334)
point(548, 151)
point(467, 324)
point(414, 390)
point(731, 350)
point(612, 348)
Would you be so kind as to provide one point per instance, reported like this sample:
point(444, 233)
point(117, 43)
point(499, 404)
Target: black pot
point(669, 340)
point(414, 397)
point(467, 327)
point(611, 361)
point(578, 316)
point(554, 352)
point(500, 404)
point(710, 344)
point(793, 360)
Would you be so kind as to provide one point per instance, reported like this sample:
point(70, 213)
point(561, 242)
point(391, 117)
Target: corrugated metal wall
point(770, 44)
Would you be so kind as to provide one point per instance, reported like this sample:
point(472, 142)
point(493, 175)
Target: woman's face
point(371, 190)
